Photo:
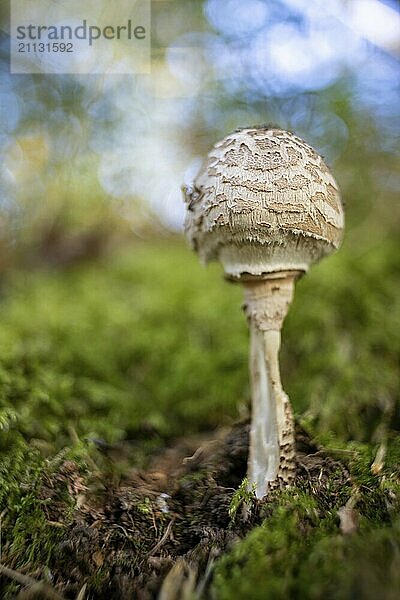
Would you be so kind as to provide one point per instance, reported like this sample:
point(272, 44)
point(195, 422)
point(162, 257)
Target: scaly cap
point(263, 201)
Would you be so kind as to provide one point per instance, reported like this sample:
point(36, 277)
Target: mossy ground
point(106, 364)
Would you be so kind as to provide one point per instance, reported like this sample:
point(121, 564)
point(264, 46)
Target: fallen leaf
point(98, 559)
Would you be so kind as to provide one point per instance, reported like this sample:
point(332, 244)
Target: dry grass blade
point(82, 592)
point(180, 582)
point(33, 589)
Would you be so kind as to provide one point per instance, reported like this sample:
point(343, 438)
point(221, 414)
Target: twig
point(22, 579)
point(82, 592)
point(162, 540)
point(117, 526)
point(334, 451)
point(379, 461)
point(47, 591)
point(201, 586)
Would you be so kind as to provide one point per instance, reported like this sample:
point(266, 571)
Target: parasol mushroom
point(266, 206)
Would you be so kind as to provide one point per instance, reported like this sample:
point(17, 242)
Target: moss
point(109, 346)
point(342, 343)
point(243, 500)
point(300, 552)
point(105, 362)
point(263, 565)
point(30, 520)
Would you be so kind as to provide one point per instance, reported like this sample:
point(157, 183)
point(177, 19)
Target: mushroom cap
point(263, 201)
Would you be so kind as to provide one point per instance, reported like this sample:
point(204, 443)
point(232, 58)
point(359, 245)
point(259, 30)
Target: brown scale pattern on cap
point(266, 176)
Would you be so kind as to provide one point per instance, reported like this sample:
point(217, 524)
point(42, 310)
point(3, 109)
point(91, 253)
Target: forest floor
point(160, 532)
point(124, 437)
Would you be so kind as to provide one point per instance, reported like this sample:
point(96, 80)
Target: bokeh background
point(328, 70)
point(112, 337)
point(99, 288)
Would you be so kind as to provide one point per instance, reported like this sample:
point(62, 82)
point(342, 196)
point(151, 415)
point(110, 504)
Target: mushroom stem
point(272, 450)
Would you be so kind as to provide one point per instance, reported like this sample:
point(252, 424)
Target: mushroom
point(267, 207)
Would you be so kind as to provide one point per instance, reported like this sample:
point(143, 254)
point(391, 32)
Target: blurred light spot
point(69, 138)
point(192, 170)
point(377, 22)
point(188, 60)
point(304, 53)
point(9, 111)
point(286, 58)
point(377, 90)
point(303, 60)
point(101, 110)
point(154, 171)
point(325, 131)
point(116, 174)
point(35, 151)
point(235, 17)
point(7, 190)
point(373, 20)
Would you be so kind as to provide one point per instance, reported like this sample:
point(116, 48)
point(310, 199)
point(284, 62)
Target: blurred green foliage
point(149, 336)
point(145, 339)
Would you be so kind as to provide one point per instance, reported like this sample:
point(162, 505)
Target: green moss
point(108, 347)
point(263, 565)
point(29, 533)
point(300, 552)
point(362, 566)
point(150, 341)
point(152, 337)
point(342, 342)
point(243, 499)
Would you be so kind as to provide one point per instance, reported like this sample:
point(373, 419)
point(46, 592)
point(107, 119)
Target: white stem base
point(264, 438)
point(271, 453)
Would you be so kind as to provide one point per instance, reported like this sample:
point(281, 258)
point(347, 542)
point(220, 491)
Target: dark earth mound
point(160, 531)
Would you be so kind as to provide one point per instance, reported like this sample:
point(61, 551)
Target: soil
point(157, 533)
